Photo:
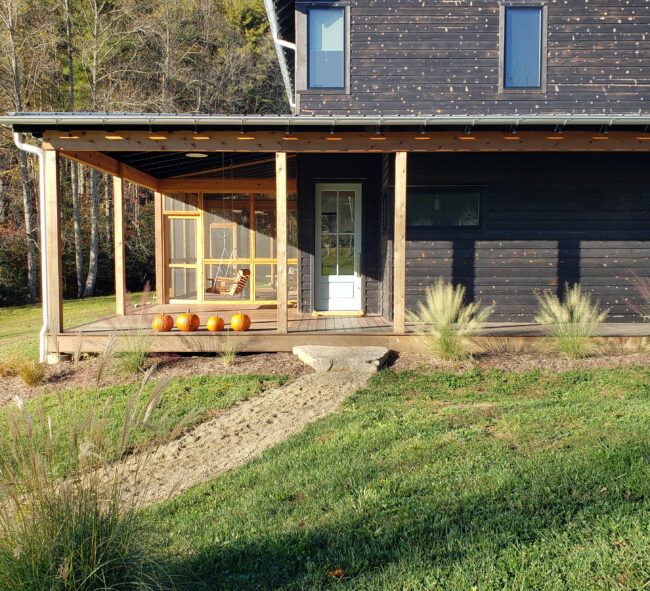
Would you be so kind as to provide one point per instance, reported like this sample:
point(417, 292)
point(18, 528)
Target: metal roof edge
point(129, 119)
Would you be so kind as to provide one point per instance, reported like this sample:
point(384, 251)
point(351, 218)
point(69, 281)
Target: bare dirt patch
point(237, 435)
point(515, 362)
point(65, 375)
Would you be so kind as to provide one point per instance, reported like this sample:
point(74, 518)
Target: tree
point(66, 6)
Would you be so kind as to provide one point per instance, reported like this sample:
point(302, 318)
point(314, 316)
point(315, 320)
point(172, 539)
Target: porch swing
point(226, 284)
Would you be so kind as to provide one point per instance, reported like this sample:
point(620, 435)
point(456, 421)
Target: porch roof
point(36, 123)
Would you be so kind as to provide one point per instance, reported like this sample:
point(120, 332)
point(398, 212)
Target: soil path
point(237, 435)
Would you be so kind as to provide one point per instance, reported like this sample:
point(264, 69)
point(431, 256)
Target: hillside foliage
point(169, 56)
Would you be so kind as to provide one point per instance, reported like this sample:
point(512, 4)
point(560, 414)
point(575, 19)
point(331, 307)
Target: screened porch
point(222, 248)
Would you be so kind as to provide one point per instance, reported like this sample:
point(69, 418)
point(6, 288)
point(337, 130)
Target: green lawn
point(20, 325)
point(184, 397)
point(480, 481)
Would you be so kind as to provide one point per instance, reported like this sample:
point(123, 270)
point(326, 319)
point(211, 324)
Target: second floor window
point(523, 48)
point(326, 42)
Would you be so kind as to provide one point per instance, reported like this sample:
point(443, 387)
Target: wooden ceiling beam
point(344, 141)
point(112, 166)
point(223, 185)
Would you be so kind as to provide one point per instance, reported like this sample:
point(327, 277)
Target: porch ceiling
point(226, 165)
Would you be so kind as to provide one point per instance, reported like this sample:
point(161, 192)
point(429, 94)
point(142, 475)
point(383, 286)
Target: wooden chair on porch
point(229, 285)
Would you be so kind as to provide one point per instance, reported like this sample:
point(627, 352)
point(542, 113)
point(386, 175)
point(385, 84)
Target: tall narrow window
point(523, 48)
point(326, 68)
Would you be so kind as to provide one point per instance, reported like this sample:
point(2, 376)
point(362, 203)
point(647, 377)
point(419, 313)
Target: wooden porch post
point(53, 245)
point(399, 248)
point(118, 236)
point(159, 248)
point(281, 230)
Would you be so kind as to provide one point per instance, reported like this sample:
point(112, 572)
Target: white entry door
point(338, 247)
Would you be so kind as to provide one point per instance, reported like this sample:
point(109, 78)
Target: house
point(498, 144)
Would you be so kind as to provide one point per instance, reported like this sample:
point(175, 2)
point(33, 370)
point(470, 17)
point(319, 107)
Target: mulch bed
point(516, 362)
point(65, 375)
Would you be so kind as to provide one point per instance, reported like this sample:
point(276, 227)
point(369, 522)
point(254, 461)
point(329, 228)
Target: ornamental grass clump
point(571, 321)
point(445, 320)
point(79, 532)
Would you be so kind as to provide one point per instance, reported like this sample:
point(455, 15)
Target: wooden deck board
point(303, 329)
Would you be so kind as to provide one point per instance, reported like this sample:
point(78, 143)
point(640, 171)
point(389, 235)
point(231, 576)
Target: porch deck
point(303, 329)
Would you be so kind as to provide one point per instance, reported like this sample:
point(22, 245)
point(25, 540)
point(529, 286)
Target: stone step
point(356, 359)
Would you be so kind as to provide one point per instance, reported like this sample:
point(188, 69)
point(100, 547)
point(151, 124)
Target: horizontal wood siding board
point(443, 58)
point(604, 243)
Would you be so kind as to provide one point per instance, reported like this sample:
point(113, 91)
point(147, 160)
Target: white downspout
point(279, 43)
point(25, 147)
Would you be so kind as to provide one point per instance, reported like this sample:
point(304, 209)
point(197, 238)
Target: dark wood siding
point(547, 219)
point(430, 57)
point(366, 169)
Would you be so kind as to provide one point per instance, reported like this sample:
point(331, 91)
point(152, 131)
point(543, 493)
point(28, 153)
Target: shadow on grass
point(409, 538)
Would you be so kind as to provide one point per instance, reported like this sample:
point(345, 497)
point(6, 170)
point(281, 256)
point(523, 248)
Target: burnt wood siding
point(364, 169)
point(429, 57)
point(548, 219)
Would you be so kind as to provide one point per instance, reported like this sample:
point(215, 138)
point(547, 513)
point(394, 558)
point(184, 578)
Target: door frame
point(358, 187)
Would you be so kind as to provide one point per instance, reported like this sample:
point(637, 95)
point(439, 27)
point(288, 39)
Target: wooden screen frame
point(252, 261)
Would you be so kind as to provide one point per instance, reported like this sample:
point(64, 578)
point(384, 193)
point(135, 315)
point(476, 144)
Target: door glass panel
point(346, 254)
point(346, 211)
point(182, 241)
point(328, 211)
point(182, 283)
point(328, 254)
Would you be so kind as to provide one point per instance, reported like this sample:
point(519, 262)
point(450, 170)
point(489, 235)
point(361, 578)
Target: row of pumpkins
point(190, 322)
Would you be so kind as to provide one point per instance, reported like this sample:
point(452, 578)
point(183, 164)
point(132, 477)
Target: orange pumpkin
point(240, 322)
point(188, 322)
point(162, 322)
point(215, 324)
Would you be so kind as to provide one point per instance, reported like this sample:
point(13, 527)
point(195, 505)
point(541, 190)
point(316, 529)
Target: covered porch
point(231, 205)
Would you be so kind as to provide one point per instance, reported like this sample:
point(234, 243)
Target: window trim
point(302, 49)
point(480, 189)
point(503, 6)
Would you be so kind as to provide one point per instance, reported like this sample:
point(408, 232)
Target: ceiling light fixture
point(332, 137)
point(288, 136)
point(423, 133)
point(378, 135)
point(195, 155)
point(242, 134)
point(113, 137)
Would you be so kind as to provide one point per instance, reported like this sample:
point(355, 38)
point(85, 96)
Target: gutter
point(25, 147)
point(185, 120)
point(279, 44)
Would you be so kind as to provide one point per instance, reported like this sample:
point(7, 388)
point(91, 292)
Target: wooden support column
point(53, 245)
point(399, 245)
point(281, 230)
point(159, 248)
point(118, 236)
